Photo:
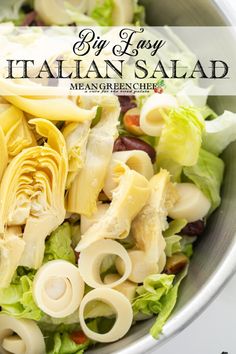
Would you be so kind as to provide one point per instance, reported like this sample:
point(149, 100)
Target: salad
point(99, 213)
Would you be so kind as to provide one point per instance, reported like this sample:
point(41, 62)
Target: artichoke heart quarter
point(76, 137)
point(147, 227)
point(4, 153)
point(128, 199)
point(31, 98)
point(32, 191)
point(11, 249)
point(16, 130)
point(84, 191)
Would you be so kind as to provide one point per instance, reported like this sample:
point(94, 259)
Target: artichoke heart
point(32, 191)
point(16, 129)
point(128, 199)
point(4, 153)
point(11, 249)
point(83, 194)
point(147, 227)
point(31, 98)
point(76, 137)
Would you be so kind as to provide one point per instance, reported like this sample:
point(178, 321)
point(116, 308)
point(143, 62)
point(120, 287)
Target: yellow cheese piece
point(83, 194)
point(128, 199)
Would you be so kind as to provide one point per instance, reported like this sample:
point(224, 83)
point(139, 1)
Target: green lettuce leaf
point(102, 13)
point(168, 303)
point(207, 174)
point(172, 245)
point(208, 113)
point(51, 324)
point(186, 245)
point(174, 168)
point(108, 265)
point(58, 245)
point(220, 132)
point(173, 241)
point(175, 226)
point(76, 234)
point(61, 343)
point(150, 294)
point(96, 309)
point(17, 300)
point(10, 10)
point(181, 137)
point(139, 14)
point(101, 324)
point(78, 17)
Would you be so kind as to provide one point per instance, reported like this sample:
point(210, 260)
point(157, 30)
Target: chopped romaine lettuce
point(50, 324)
point(168, 304)
point(61, 343)
point(188, 250)
point(151, 293)
point(220, 132)
point(173, 167)
point(78, 17)
point(207, 174)
point(108, 265)
point(102, 13)
point(10, 9)
point(139, 14)
point(175, 226)
point(96, 309)
point(101, 324)
point(76, 234)
point(172, 245)
point(17, 300)
point(181, 137)
point(186, 244)
point(208, 113)
point(58, 245)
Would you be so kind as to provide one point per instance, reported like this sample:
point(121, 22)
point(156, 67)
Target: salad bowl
point(100, 208)
point(214, 259)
